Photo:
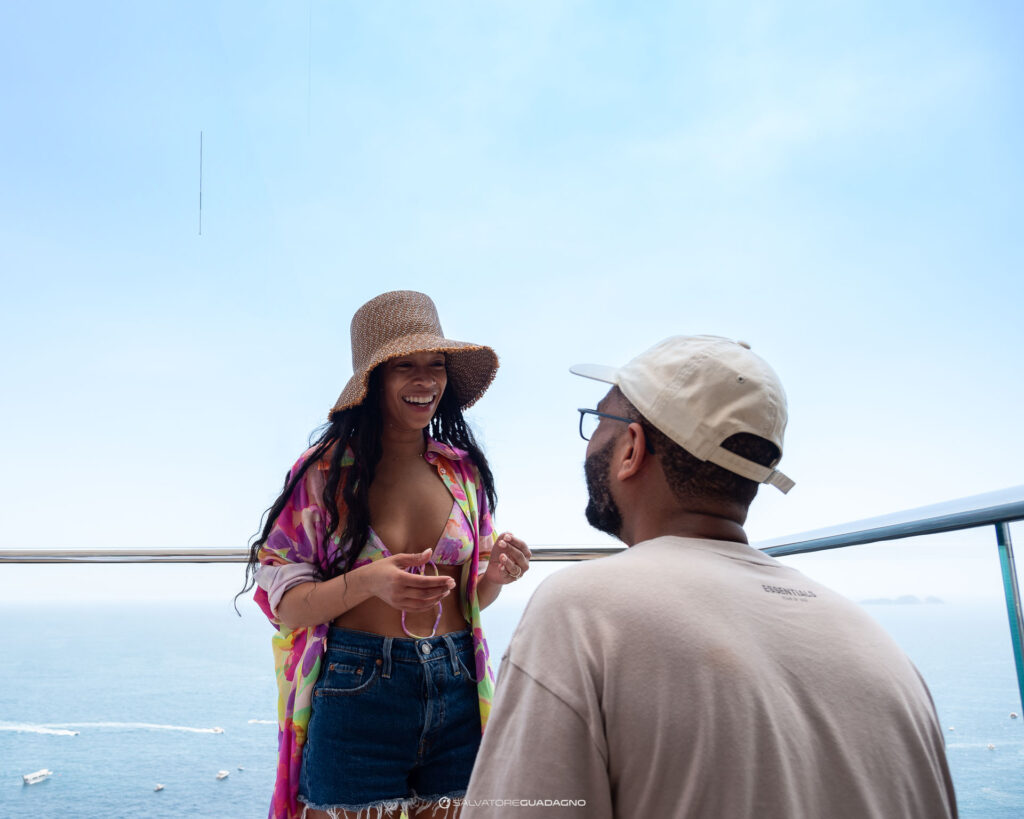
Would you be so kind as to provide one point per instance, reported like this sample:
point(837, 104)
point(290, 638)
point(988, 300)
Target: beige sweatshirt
point(694, 678)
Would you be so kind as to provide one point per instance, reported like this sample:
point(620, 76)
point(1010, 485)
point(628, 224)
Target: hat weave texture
point(403, 322)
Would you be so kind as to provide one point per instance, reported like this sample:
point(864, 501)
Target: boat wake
point(69, 729)
point(263, 722)
point(144, 726)
point(25, 728)
point(1000, 744)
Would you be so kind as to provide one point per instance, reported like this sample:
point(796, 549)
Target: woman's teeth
point(421, 402)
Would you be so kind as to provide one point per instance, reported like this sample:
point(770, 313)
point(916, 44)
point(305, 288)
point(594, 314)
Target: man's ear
point(632, 452)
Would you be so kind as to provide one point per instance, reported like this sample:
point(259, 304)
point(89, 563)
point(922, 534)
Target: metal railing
point(997, 509)
point(545, 553)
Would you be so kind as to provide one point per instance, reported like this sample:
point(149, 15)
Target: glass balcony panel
point(122, 677)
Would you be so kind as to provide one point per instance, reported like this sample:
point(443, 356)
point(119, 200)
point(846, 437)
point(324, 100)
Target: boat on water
point(158, 787)
point(36, 776)
point(223, 774)
point(216, 730)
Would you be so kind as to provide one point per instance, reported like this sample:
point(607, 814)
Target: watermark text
point(446, 802)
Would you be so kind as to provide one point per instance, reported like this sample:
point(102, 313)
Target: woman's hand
point(510, 557)
point(410, 592)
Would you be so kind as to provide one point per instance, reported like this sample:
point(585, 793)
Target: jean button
point(425, 648)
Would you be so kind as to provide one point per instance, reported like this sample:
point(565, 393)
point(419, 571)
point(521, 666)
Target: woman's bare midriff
point(377, 617)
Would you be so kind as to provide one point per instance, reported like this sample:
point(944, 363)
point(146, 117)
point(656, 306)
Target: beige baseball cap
point(700, 390)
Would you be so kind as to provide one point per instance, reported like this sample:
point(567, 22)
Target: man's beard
point(602, 513)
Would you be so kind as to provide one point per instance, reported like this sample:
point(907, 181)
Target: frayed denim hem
point(377, 810)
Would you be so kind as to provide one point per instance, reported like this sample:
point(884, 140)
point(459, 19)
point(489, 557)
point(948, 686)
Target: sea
point(118, 698)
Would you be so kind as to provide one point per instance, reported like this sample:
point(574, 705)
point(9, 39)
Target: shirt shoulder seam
point(564, 702)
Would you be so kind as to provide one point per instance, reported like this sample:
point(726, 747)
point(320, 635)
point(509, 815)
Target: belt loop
point(386, 671)
point(452, 653)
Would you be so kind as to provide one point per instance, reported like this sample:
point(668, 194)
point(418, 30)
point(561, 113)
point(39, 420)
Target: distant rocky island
point(904, 600)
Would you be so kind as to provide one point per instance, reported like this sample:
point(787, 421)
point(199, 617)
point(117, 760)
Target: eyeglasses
point(589, 419)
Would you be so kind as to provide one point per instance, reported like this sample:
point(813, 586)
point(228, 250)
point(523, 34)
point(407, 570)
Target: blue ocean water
point(965, 655)
point(144, 686)
point(117, 698)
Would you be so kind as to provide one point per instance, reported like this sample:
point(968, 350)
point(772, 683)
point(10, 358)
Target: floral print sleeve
point(296, 539)
point(292, 545)
point(462, 478)
point(485, 541)
point(487, 534)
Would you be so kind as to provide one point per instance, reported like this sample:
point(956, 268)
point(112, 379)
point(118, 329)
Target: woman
point(383, 676)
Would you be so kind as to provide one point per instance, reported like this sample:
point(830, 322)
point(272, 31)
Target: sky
point(840, 185)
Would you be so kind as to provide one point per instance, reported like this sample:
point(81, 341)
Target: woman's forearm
point(487, 591)
point(316, 602)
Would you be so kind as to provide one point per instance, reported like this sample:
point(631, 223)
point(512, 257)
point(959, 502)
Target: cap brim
point(598, 372)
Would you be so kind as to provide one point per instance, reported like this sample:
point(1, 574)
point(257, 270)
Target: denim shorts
point(394, 720)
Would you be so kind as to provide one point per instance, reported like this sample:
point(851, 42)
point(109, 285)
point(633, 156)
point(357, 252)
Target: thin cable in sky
point(200, 183)
point(309, 68)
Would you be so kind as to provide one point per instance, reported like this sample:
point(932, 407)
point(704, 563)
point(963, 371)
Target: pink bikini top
point(454, 547)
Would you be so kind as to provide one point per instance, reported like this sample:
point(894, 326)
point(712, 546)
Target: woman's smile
point(420, 401)
point(412, 387)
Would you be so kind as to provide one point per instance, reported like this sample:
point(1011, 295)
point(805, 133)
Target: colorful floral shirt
point(298, 537)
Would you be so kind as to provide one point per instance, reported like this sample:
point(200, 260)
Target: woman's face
point(411, 388)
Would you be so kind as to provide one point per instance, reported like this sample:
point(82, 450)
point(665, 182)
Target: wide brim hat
point(403, 322)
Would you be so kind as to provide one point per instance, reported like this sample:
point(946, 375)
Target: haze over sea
point(115, 698)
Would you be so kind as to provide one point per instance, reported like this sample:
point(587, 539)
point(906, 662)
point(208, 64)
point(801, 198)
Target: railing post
point(1013, 604)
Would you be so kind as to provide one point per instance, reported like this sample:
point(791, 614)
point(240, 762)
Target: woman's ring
point(515, 575)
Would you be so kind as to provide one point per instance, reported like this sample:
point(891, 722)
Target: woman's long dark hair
point(360, 428)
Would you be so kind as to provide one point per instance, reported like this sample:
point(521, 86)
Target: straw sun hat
point(403, 322)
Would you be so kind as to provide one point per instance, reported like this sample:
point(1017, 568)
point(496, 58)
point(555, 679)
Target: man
point(691, 675)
